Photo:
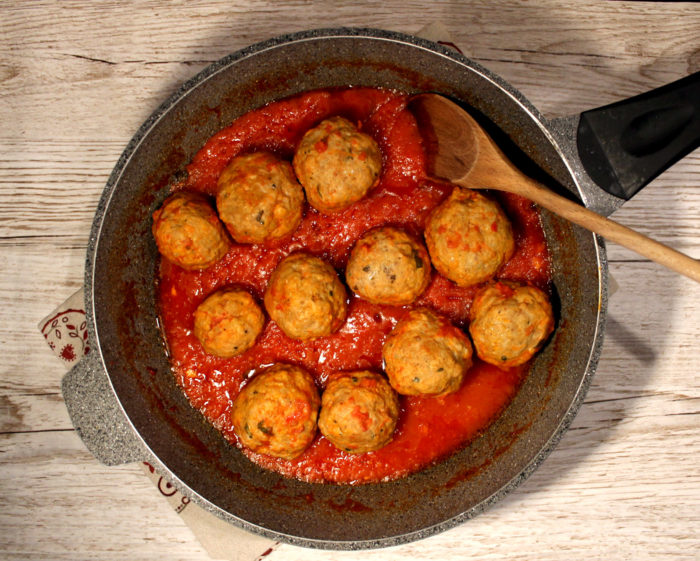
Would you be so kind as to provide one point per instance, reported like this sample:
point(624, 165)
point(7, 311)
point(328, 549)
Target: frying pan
point(123, 399)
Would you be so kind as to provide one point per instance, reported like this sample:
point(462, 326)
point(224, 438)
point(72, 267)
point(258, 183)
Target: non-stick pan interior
point(122, 270)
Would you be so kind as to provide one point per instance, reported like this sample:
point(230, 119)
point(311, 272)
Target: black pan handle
point(623, 146)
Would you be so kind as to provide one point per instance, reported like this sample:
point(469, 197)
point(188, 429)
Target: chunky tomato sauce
point(429, 427)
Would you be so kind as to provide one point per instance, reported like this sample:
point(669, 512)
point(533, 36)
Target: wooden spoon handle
point(626, 237)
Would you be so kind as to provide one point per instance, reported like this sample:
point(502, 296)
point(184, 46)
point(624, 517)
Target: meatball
point(276, 412)
point(336, 164)
point(387, 266)
point(426, 354)
point(228, 322)
point(305, 297)
point(509, 322)
point(469, 237)
point(259, 198)
point(188, 231)
point(359, 411)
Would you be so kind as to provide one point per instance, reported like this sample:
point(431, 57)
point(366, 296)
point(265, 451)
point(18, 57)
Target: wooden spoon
point(461, 152)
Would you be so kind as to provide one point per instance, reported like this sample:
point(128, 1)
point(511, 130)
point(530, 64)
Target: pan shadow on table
point(608, 403)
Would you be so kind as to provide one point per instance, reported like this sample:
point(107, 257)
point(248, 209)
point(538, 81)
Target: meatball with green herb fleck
point(228, 322)
point(259, 198)
point(188, 232)
point(276, 412)
point(469, 237)
point(387, 266)
point(305, 297)
point(359, 411)
point(426, 354)
point(337, 164)
point(509, 322)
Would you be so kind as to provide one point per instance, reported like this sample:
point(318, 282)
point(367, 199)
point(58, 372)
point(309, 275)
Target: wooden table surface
point(77, 78)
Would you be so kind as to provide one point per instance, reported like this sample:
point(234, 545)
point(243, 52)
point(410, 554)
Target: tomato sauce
point(429, 428)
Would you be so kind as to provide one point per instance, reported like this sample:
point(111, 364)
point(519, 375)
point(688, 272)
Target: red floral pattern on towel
point(67, 335)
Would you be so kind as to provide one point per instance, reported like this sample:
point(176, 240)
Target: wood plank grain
point(592, 64)
point(51, 188)
point(58, 504)
point(76, 81)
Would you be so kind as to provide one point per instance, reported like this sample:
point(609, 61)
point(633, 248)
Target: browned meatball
point(387, 266)
point(259, 198)
point(228, 322)
point(305, 297)
point(469, 237)
point(426, 354)
point(359, 411)
point(509, 322)
point(337, 164)
point(188, 231)
point(276, 412)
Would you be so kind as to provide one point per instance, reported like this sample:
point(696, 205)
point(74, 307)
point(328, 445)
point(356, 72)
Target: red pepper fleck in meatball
point(387, 266)
point(228, 322)
point(188, 231)
point(305, 297)
point(259, 198)
point(426, 354)
point(509, 322)
point(276, 412)
point(469, 237)
point(336, 164)
point(359, 411)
